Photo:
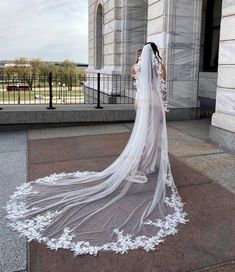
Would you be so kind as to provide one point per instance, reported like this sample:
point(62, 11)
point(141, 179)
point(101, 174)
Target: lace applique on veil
point(157, 68)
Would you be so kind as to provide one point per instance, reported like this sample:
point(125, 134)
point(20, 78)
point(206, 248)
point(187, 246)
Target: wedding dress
point(131, 204)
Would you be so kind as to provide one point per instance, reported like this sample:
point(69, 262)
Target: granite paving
point(203, 173)
point(13, 172)
point(205, 243)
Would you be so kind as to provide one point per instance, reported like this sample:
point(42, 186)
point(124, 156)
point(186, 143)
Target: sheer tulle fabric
point(132, 203)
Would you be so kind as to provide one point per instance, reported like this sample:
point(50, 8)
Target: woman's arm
point(164, 71)
point(133, 72)
point(163, 88)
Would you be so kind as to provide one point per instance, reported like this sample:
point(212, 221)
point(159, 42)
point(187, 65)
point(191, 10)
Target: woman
point(135, 68)
point(131, 204)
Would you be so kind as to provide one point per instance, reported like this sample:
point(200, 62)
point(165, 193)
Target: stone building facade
point(196, 40)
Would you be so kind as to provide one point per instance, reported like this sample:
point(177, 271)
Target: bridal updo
point(155, 49)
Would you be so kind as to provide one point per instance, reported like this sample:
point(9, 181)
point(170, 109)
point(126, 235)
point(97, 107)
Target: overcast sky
point(49, 29)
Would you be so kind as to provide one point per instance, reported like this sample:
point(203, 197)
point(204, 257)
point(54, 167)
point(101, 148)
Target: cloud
point(51, 30)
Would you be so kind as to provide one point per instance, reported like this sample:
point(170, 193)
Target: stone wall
point(225, 100)
point(124, 31)
point(112, 10)
point(223, 120)
point(177, 28)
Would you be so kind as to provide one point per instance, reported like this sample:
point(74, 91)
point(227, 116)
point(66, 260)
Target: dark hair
point(155, 49)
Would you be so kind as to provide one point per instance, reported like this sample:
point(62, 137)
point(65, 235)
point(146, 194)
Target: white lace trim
point(32, 228)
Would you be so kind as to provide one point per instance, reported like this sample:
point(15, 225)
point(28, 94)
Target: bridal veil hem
point(32, 228)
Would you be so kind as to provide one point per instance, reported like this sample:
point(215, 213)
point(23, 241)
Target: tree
point(46, 68)
point(68, 73)
point(26, 70)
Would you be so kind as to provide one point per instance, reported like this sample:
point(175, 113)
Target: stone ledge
point(34, 116)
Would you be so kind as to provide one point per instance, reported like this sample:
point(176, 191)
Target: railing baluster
point(98, 92)
point(50, 93)
point(95, 86)
point(2, 82)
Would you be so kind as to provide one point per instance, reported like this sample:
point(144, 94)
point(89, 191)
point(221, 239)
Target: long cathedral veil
point(132, 203)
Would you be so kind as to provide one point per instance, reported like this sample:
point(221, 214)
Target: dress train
point(133, 203)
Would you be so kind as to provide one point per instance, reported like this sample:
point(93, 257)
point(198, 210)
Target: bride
point(131, 204)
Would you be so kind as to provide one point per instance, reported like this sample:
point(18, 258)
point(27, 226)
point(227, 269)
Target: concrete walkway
point(189, 142)
point(13, 170)
point(206, 243)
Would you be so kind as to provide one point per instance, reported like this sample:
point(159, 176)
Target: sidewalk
point(13, 165)
point(205, 243)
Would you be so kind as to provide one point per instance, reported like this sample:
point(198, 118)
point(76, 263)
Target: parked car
point(16, 87)
point(39, 96)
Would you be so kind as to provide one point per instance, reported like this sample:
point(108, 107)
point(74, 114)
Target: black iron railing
point(52, 90)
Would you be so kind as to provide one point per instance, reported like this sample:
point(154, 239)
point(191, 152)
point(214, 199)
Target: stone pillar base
point(220, 135)
point(223, 121)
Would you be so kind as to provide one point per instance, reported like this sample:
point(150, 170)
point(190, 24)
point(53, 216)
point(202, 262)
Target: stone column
point(124, 31)
point(222, 130)
point(134, 31)
point(111, 50)
point(175, 26)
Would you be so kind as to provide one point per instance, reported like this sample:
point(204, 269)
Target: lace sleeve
point(137, 67)
point(163, 89)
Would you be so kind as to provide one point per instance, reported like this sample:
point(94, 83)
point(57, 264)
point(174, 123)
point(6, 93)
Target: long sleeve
point(164, 88)
point(159, 72)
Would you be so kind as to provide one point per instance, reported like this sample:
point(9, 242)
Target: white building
point(196, 39)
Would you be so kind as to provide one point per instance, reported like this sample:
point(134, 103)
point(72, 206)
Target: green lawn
point(41, 96)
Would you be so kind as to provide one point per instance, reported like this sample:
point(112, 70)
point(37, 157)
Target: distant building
point(9, 63)
point(5, 64)
point(80, 66)
point(196, 41)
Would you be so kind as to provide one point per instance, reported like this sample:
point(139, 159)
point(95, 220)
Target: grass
point(41, 96)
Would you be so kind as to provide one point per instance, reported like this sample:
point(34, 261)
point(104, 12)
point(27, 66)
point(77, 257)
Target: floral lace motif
point(157, 64)
point(32, 228)
point(163, 89)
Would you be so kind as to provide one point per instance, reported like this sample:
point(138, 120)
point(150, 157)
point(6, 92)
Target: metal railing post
point(3, 80)
point(50, 93)
point(98, 92)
